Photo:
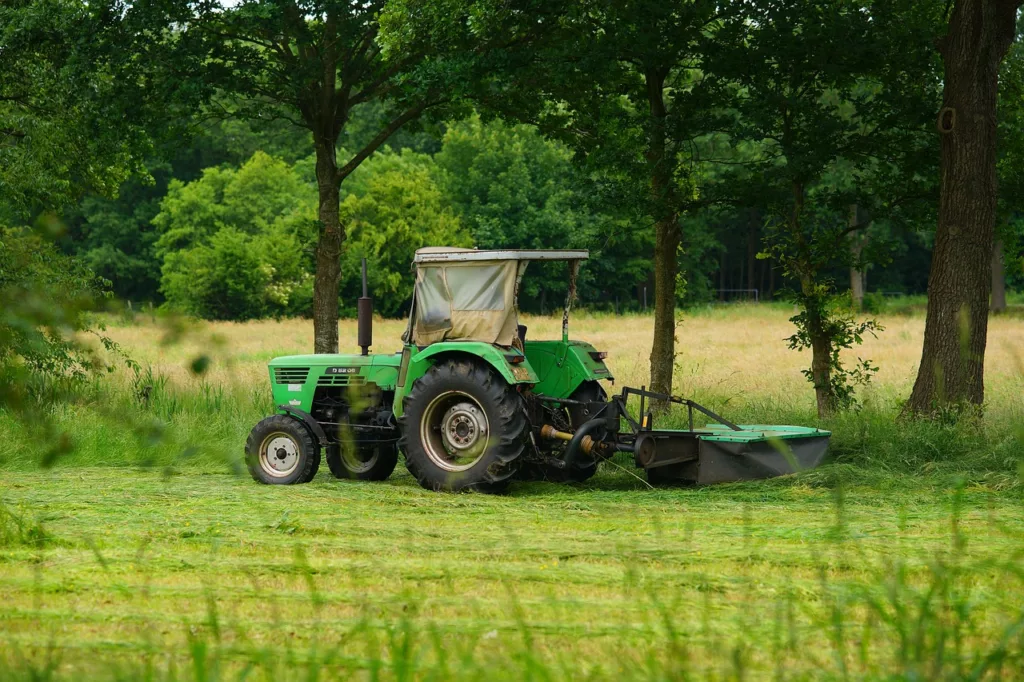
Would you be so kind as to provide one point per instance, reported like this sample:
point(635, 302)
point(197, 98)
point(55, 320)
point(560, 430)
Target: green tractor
point(474, 404)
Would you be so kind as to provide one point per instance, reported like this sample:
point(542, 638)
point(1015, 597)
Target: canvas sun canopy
point(470, 295)
point(443, 254)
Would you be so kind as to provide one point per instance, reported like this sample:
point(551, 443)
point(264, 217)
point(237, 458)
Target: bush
point(237, 277)
point(45, 304)
point(232, 240)
point(44, 300)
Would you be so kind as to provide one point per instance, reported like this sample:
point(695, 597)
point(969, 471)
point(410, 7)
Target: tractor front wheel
point(280, 450)
point(463, 428)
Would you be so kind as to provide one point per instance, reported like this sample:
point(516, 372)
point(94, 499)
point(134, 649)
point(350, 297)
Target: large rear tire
point(463, 428)
point(280, 450)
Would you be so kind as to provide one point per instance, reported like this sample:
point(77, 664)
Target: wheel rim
point(360, 459)
point(279, 454)
point(454, 431)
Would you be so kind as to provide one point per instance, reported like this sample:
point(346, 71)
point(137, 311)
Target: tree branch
point(382, 137)
point(371, 88)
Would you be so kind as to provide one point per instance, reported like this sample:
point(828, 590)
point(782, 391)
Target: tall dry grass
point(737, 352)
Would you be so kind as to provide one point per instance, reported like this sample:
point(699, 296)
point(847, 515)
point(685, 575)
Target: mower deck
point(718, 454)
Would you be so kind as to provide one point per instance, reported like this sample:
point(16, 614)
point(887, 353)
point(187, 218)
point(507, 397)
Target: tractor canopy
point(472, 295)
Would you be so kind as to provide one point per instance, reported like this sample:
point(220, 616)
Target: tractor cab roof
point(471, 295)
point(445, 254)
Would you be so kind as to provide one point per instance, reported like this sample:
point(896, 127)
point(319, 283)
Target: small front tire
point(281, 451)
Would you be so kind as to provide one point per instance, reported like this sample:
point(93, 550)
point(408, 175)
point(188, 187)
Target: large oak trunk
point(667, 238)
point(663, 351)
point(328, 253)
point(956, 328)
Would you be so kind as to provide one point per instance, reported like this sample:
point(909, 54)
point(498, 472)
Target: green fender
point(416, 362)
point(564, 365)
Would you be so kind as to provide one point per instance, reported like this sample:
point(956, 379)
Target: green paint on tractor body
point(562, 366)
point(295, 378)
point(553, 368)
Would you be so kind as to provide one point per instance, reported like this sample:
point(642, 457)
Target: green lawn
point(126, 573)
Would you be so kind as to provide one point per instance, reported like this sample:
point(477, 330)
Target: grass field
point(142, 554)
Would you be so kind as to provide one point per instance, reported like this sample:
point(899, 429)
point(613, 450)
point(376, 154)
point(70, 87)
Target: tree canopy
point(238, 160)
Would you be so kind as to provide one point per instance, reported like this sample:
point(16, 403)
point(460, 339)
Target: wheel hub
point(279, 455)
point(454, 431)
point(462, 427)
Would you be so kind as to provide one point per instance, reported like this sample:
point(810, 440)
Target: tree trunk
point(328, 252)
point(960, 281)
point(667, 238)
point(821, 352)
point(856, 274)
point(821, 342)
point(663, 352)
point(998, 279)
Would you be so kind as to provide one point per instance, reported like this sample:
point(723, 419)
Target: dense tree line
point(237, 161)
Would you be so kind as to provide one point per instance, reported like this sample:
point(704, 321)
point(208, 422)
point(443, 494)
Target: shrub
point(237, 277)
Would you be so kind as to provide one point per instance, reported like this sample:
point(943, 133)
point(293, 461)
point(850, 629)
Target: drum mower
point(473, 403)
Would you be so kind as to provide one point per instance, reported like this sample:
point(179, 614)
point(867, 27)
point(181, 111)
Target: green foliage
point(231, 276)
point(512, 187)
point(824, 316)
point(45, 298)
point(515, 190)
point(232, 241)
point(116, 239)
point(262, 194)
point(79, 101)
point(45, 356)
point(1010, 226)
point(394, 205)
point(53, 142)
point(815, 98)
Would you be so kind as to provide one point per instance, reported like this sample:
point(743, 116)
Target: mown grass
point(145, 553)
point(200, 577)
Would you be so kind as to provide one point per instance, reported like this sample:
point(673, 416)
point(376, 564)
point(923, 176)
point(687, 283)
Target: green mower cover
point(758, 451)
point(723, 455)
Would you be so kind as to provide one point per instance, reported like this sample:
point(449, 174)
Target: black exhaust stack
point(365, 310)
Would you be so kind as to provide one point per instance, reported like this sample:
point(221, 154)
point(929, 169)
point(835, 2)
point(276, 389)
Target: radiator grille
point(290, 375)
point(341, 380)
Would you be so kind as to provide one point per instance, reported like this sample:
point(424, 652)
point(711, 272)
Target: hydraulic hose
point(577, 439)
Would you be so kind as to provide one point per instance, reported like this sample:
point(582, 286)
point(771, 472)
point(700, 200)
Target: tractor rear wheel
point(363, 461)
point(280, 450)
point(463, 428)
